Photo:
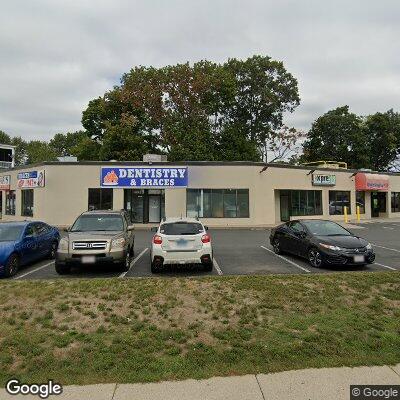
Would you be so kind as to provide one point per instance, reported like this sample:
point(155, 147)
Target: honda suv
point(181, 241)
point(96, 237)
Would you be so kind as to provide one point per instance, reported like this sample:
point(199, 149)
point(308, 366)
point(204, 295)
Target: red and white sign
point(31, 179)
point(5, 182)
point(372, 182)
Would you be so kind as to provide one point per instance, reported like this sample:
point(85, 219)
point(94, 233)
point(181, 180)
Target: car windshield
point(325, 228)
point(98, 222)
point(10, 232)
point(181, 228)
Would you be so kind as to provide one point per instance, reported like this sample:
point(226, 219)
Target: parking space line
point(286, 259)
point(386, 266)
point(217, 267)
point(34, 270)
point(386, 248)
point(133, 262)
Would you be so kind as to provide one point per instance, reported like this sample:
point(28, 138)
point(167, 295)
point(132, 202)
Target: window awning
point(372, 182)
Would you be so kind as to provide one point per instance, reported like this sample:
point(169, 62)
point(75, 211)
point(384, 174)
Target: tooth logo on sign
point(110, 179)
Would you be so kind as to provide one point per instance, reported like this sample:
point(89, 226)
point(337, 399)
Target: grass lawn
point(140, 330)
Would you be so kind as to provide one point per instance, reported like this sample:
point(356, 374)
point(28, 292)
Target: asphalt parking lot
point(239, 252)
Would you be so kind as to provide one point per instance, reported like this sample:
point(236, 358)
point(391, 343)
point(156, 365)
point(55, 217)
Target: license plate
point(359, 258)
point(181, 243)
point(88, 259)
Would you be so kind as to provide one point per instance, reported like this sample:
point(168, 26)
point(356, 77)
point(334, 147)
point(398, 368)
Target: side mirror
point(206, 227)
point(154, 229)
point(131, 228)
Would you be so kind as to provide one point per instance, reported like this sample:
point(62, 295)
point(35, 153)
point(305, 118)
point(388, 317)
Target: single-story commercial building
point(220, 193)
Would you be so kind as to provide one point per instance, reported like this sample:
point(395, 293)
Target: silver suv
point(96, 237)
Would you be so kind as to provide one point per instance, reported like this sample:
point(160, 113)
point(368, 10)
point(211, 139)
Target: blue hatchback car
point(22, 243)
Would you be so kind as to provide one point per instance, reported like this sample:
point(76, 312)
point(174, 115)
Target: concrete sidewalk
point(308, 384)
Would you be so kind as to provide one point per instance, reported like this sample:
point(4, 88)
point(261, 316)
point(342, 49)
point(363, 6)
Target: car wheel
point(126, 264)
point(12, 266)
point(62, 269)
point(53, 251)
point(208, 267)
point(277, 246)
point(155, 267)
point(315, 257)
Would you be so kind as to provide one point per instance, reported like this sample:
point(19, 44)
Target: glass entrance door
point(285, 206)
point(378, 203)
point(154, 208)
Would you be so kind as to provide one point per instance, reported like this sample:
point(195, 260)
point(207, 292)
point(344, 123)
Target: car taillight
point(157, 239)
point(206, 238)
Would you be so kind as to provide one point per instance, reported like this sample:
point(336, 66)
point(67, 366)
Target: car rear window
point(181, 228)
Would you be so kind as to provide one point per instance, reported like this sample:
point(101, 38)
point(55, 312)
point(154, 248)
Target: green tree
point(38, 151)
point(192, 112)
point(382, 131)
point(264, 91)
point(64, 144)
point(363, 142)
point(87, 150)
point(337, 135)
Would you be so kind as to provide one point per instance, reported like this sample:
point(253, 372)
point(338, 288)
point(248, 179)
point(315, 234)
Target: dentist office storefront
point(144, 189)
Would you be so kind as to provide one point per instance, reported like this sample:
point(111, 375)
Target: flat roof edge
point(196, 163)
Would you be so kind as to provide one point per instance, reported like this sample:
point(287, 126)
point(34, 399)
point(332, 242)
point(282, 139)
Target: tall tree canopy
point(362, 142)
point(205, 111)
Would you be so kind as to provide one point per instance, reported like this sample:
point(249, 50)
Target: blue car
point(23, 243)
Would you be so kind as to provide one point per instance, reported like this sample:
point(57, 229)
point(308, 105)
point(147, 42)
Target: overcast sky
point(57, 55)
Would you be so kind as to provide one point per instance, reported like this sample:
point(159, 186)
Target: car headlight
point(330, 247)
point(118, 243)
point(63, 245)
point(369, 246)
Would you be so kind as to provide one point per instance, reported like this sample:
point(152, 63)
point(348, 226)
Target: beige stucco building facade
point(220, 194)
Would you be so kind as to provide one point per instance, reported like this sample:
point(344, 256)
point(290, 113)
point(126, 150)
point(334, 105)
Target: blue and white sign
point(31, 179)
point(144, 176)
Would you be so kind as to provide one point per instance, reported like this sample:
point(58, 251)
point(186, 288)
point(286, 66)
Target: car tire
point(208, 267)
point(276, 244)
point(12, 266)
point(53, 251)
point(155, 267)
point(315, 258)
point(126, 264)
point(62, 269)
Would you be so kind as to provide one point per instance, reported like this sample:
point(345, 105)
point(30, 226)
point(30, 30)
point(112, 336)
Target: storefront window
point(337, 201)
point(395, 202)
point(360, 201)
point(217, 203)
point(145, 205)
point(10, 202)
point(100, 199)
point(27, 203)
point(303, 202)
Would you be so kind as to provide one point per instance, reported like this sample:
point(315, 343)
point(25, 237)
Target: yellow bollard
point(358, 214)
point(346, 220)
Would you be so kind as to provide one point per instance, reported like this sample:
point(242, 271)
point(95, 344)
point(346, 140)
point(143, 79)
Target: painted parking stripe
point(386, 248)
point(34, 270)
point(217, 267)
point(386, 266)
point(286, 259)
point(133, 262)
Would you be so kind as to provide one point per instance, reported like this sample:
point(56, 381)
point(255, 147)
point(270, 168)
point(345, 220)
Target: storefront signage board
point(145, 177)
